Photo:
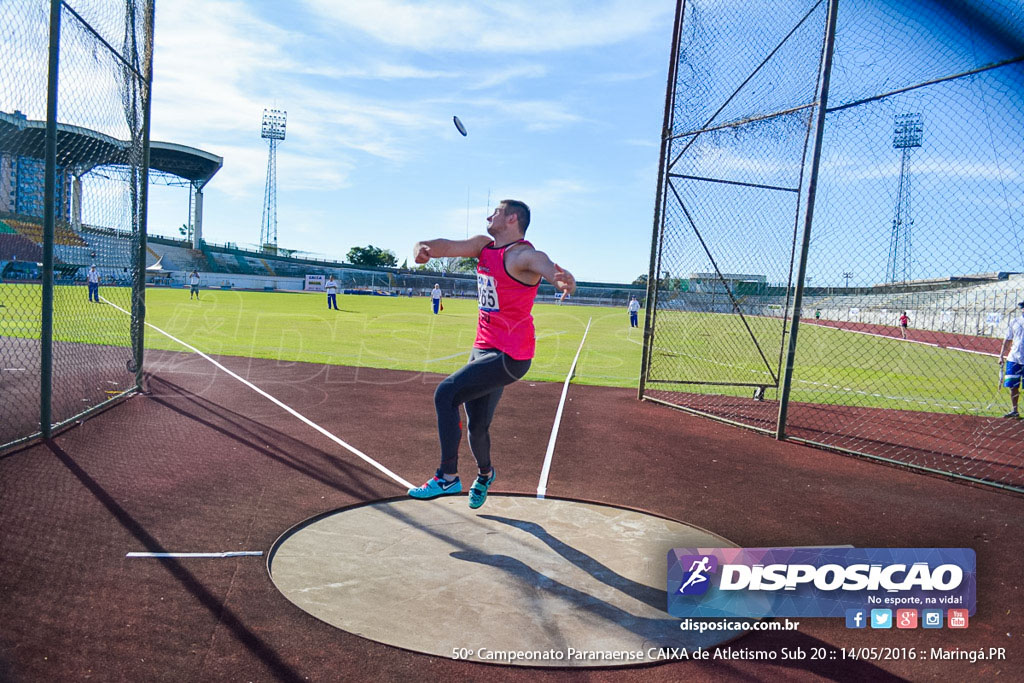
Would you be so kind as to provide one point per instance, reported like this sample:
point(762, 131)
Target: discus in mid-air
point(458, 125)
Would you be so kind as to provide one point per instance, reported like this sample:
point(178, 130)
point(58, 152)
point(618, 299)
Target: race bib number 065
point(487, 291)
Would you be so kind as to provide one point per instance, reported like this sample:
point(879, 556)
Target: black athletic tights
point(479, 385)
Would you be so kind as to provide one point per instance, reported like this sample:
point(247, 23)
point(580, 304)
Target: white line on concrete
point(232, 553)
point(542, 487)
point(287, 408)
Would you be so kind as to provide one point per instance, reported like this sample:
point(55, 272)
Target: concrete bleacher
point(14, 246)
point(223, 262)
point(977, 308)
point(33, 230)
point(242, 264)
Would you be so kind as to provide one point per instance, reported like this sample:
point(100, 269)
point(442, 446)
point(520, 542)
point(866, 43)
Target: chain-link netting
point(914, 246)
point(102, 55)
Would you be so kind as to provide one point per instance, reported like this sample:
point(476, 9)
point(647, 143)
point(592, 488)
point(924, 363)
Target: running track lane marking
point(332, 437)
point(234, 553)
point(542, 487)
point(900, 339)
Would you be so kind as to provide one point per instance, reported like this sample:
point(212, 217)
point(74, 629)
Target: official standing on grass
point(1014, 370)
point(193, 284)
point(93, 278)
point(435, 298)
point(634, 309)
point(331, 287)
point(508, 273)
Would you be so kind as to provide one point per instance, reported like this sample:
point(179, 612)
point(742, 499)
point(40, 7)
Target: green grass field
point(398, 333)
point(833, 366)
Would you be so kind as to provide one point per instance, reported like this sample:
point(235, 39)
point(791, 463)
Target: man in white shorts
point(1014, 370)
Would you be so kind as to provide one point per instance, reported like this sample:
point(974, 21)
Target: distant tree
point(673, 284)
point(450, 264)
point(642, 280)
point(467, 265)
point(371, 256)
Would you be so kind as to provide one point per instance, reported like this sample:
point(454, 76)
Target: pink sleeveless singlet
point(505, 321)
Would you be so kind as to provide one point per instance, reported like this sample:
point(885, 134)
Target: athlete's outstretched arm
point(539, 263)
point(424, 251)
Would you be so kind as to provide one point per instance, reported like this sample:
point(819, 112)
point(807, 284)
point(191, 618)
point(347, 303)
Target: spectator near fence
point(93, 278)
point(193, 284)
point(634, 309)
point(331, 287)
point(435, 298)
point(1014, 369)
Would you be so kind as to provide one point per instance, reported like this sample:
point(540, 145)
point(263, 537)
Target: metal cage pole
point(49, 218)
point(812, 186)
point(659, 213)
point(139, 286)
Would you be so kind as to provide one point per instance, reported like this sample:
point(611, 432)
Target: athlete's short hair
point(520, 209)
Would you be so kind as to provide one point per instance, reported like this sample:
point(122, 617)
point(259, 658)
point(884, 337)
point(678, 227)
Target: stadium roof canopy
point(85, 149)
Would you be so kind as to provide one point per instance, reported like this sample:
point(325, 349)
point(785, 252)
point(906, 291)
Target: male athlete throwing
point(508, 274)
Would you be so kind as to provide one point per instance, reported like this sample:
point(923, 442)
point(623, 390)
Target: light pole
point(908, 132)
point(847, 274)
point(275, 122)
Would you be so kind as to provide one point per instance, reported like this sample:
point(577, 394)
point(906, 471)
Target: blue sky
point(563, 101)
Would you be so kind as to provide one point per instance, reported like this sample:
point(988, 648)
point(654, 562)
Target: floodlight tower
point(908, 130)
point(274, 122)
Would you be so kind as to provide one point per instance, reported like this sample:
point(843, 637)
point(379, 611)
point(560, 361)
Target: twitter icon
point(881, 618)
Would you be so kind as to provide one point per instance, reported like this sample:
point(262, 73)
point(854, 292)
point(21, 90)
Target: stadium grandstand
point(965, 304)
point(962, 304)
point(79, 244)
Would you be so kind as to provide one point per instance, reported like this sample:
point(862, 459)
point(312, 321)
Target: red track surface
point(982, 448)
point(944, 339)
point(201, 463)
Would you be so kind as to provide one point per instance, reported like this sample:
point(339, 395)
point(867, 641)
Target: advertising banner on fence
point(817, 582)
point(315, 283)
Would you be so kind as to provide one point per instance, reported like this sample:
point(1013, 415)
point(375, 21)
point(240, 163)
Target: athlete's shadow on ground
point(663, 632)
point(645, 594)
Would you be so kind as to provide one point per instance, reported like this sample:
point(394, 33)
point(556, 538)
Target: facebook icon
point(856, 618)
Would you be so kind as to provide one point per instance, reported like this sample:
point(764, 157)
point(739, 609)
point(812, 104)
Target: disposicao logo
point(696, 580)
point(823, 582)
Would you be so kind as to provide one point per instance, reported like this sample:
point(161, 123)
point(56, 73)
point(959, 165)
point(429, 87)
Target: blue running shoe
point(478, 491)
point(437, 486)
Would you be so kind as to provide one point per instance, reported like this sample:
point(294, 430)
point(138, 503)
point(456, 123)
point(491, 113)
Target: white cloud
point(208, 58)
point(375, 71)
point(495, 78)
point(535, 115)
point(945, 168)
point(636, 142)
point(554, 192)
point(245, 171)
point(523, 27)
